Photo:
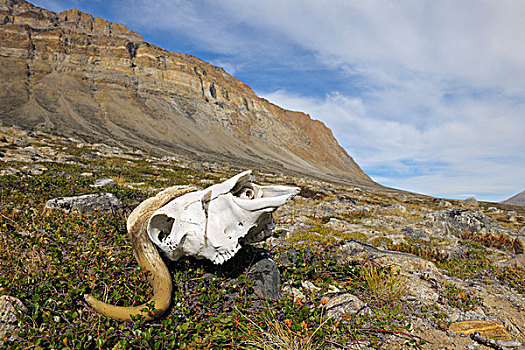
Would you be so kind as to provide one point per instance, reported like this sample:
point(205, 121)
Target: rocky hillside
point(352, 267)
point(518, 199)
point(71, 74)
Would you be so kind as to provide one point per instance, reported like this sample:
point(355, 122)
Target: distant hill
point(518, 199)
point(75, 75)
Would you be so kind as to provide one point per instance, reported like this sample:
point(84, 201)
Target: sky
point(426, 96)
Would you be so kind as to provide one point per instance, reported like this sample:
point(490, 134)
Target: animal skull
point(213, 223)
point(206, 224)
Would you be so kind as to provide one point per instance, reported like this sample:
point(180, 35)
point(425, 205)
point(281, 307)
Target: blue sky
point(427, 96)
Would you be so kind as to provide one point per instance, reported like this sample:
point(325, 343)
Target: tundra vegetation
point(49, 259)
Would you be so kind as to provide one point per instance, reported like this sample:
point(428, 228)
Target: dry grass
point(276, 335)
point(383, 286)
point(119, 179)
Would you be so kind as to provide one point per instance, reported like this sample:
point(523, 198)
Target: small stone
point(87, 174)
point(9, 171)
point(104, 183)
point(415, 234)
point(333, 289)
point(296, 293)
point(398, 207)
point(522, 230)
point(445, 204)
point(519, 245)
point(344, 199)
point(22, 143)
point(310, 286)
point(34, 169)
point(266, 277)
point(344, 305)
point(490, 329)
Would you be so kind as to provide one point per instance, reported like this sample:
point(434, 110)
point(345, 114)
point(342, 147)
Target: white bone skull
point(213, 223)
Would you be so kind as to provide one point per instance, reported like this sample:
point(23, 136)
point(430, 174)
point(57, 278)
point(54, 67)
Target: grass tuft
point(277, 335)
point(384, 286)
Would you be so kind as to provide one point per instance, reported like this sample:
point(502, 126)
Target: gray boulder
point(460, 221)
point(86, 204)
point(266, 277)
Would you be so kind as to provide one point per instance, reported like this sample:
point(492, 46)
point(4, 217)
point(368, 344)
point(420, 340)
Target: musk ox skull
point(213, 223)
point(183, 221)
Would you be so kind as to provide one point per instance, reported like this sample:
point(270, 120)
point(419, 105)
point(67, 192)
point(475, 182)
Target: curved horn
point(148, 258)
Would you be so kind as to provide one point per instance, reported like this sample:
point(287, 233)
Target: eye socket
point(246, 193)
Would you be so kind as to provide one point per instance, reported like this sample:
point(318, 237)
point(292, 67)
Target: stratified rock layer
point(76, 75)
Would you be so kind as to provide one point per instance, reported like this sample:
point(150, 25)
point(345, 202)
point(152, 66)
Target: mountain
point(75, 75)
point(518, 199)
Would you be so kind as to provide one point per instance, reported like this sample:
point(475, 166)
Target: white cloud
point(478, 149)
point(480, 41)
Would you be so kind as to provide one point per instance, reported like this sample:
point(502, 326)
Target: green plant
point(460, 298)
point(511, 276)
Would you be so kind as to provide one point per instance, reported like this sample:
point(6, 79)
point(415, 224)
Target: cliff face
point(76, 75)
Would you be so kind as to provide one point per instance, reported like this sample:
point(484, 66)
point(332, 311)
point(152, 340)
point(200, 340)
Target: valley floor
point(360, 268)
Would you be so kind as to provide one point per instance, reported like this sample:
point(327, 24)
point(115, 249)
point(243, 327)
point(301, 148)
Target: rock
point(34, 169)
point(22, 143)
point(471, 201)
point(266, 277)
point(415, 234)
point(489, 329)
point(460, 221)
point(522, 230)
point(347, 200)
point(10, 307)
point(446, 204)
point(296, 293)
point(2, 154)
point(519, 245)
point(90, 155)
point(397, 207)
point(517, 261)
point(496, 344)
point(9, 171)
point(104, 183)
point(420, 275)
point(343, 305)
point(310, 286)
point(86, 204)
